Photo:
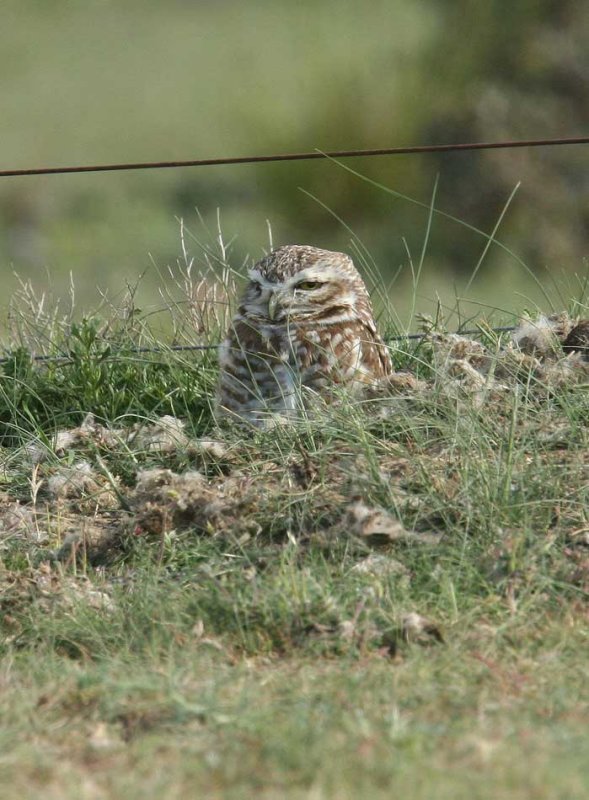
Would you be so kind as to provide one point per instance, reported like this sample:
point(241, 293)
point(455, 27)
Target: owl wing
point(374, 351)
point(343, 353)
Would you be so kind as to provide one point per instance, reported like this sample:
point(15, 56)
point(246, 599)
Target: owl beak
point(272, 305)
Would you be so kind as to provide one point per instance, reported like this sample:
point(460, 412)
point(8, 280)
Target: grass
point(245, 633)
point(100, 83)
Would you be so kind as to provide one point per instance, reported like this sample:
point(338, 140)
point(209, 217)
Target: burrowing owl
point(304, 323)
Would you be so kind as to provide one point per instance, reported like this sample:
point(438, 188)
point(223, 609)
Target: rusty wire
point(305, 156)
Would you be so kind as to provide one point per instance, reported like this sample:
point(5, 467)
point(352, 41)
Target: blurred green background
point(99, 81)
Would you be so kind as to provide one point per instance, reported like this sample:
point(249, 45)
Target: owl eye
point(307, 286)
point(256, 289)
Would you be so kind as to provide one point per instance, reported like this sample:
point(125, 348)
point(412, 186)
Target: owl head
point(299, 283)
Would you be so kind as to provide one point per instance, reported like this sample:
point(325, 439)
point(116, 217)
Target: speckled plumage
point(304, 323)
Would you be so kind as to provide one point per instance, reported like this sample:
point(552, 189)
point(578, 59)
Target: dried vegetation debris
point(77, 509)
point(419, 629)
point(82, 487)
point(77, 502)
point(541, 347)
point(18, 521)
point(377, 527)
point(164, 435)
point(47, 587)
point(544, 335)
point(238, 505)
point(363, 631)
point(89, 433)
point(381, 565)
point(164, 500)
point(358, 633)
point(552, 350)
point(54, 584)
point(79, 506)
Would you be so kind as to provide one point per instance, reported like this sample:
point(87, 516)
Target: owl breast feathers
point(304, 325)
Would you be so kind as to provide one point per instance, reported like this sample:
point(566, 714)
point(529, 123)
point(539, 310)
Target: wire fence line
point(67, 357)
point(277, 157)
point(303, 156)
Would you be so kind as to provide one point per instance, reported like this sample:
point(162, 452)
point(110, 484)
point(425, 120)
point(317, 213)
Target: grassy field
point(385, 597)
point(100, 82)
